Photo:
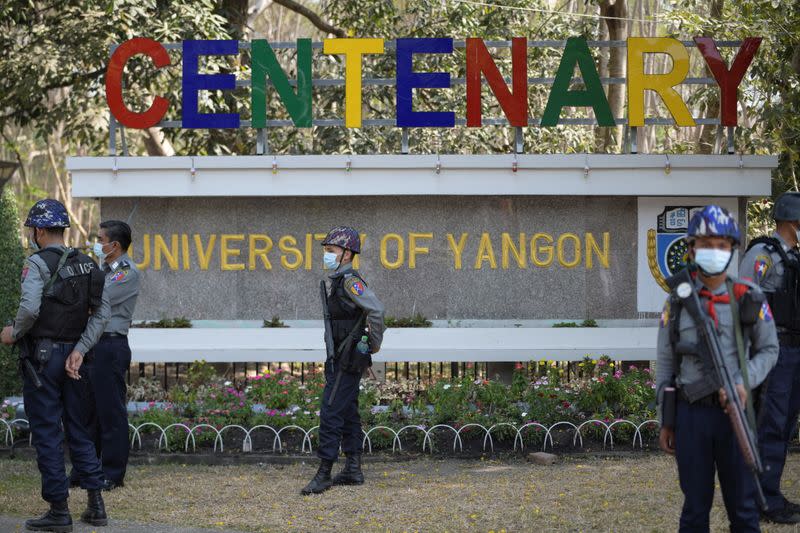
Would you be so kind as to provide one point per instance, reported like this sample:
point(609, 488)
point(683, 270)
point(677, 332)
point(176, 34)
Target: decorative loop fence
point(279, 435)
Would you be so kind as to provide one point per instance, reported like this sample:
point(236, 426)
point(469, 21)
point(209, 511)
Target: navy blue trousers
point(61, 399)
point(705, 445)
point(109, 423)
point(777, 421)
point(339, 423)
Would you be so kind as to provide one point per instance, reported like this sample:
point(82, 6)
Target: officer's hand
point(73, 365)
point(666, 440)
point(7, 335)
point(723, 397)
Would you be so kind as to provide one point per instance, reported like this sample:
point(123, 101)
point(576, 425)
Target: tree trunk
point(617, 31)
point(707, 140)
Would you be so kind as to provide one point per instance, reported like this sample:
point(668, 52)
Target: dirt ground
point(579, 493)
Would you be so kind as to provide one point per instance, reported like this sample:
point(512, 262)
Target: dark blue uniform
point(704, 441)
point(340, 422)
point(112, 358)
point(52, 322)
point(770, 263)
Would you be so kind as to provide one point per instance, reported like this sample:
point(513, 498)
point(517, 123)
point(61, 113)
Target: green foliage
point(416, 321)
point(11, 261)
point(588, 323)
point(181, 322)
point(274, 323)
point(200, 374)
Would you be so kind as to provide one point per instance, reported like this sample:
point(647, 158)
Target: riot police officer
point(112, 354)
point(774, 264)
point(701, 436)
point(61, 316)
point(352, 306)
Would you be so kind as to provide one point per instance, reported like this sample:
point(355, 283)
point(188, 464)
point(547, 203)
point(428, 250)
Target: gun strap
point(53, 275)
point(737, 328)
point(359, 325)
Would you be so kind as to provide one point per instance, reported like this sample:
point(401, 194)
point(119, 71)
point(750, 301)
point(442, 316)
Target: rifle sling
point(737, 327)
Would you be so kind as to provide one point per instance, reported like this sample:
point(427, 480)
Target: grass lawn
point(637, 493)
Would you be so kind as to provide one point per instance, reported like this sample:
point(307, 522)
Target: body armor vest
point(785, 300)
point(76, 289)
point(344, 312)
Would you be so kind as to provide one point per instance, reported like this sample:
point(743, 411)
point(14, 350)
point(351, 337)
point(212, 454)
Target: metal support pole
point(731, 139)
point(404, 141)
point(112, 134)
point(519, 140)
point(261, 141)
point(634, 140)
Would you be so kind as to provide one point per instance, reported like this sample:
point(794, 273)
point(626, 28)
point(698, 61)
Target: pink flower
point(632, 368)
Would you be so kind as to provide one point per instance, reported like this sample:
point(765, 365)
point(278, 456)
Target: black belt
point(113, 336)
point(712, 400)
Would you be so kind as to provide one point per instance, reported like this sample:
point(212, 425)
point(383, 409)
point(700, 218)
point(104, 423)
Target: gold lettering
point(187, 260)
point(485, 253)
point(546, 248)
point(591, 245)
point(170, 254)
point(413, 249)
point(401, 255)
point(457, 249)
point(287, 245)
point(363, 237)
point(577, 259)
point(204, 256)
point(145, 253)
point(260, 252)
point(519, 252)
point(225, 252)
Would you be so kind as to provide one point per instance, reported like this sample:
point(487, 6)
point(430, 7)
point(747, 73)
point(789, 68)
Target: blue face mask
point(330, 260)
point(98, 251)
point(712, 261)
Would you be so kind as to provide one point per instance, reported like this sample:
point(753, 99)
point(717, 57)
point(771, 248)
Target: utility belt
point(710, 400)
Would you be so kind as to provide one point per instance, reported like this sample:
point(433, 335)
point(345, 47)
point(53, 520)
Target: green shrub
point(274, 323)
point(416, 321)
point(181, 322)
point(12, 258)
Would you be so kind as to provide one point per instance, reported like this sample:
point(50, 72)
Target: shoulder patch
point(25, 271)
point(761, 265)
point(665, 314)
point(357, 287)
point(119, 275)
point(765, 313)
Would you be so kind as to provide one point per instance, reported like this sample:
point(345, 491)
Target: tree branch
point(315, 19)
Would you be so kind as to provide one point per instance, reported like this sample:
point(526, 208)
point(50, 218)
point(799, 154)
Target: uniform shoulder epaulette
point(745, 281)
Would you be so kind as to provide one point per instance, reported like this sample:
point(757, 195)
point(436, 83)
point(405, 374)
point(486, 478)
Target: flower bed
point(275, 411)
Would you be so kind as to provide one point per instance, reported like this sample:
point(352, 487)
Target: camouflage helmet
point(713, 221)
point(47, 213)
point(344, 237)
point(787, 207)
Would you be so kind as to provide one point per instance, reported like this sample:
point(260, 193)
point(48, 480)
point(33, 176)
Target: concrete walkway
point(10, 524)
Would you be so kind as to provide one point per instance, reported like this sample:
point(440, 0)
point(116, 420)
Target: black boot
point(351, 473)
point(95, 513)
point(322, 479)
point(57, 519)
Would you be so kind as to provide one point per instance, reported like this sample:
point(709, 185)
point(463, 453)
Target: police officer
point(350, 298)
point(112, 354)
point(702, 438)
point(774, 264)
point(61, 315)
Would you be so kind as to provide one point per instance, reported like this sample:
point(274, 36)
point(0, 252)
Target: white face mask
point(34, 245)
point(712, 261)
point(330, 260)
point(98, 251)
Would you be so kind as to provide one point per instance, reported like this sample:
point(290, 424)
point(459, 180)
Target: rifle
point(683, 285)
point(345, 350)
point(330, 349)
point(24, 362)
